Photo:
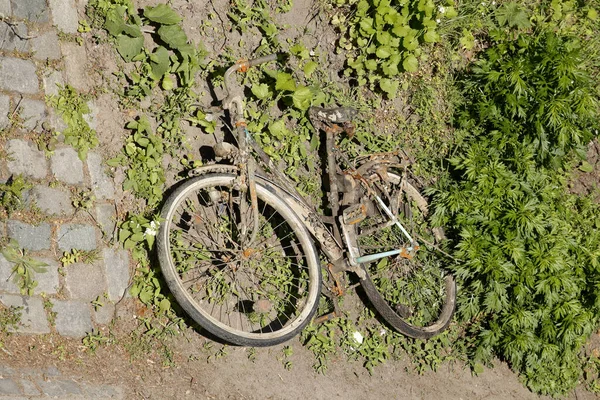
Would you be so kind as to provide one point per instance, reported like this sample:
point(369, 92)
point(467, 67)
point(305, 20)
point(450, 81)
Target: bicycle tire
point(398, 310)
point(263, 306)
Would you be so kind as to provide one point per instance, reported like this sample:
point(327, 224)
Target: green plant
point(381, 38)
point(79, 256)
point(528, 249)
point(83, 200)
point(94, 339)
point(24, 267)
point(10, 318)
point(11, 194)
point(72, 107)
point(143, 154)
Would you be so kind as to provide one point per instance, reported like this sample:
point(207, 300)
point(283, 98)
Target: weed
point(83, 200)
point(24, 267)
point(72, 107)
point(10, 318)
point(94, 339)
point(79, 256)
point(11, 194)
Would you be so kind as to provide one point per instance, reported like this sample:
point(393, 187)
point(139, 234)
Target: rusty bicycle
point(237, 241)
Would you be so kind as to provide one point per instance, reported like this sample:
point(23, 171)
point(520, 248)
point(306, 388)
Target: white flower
point(438, 20)
point(442, 9)
point(152, 230)
point(358, 337)
point(382, 332)
point(312, 53)
point(209, 117)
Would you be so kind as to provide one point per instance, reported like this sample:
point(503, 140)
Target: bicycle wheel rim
point(249, 298)
point(415, 295)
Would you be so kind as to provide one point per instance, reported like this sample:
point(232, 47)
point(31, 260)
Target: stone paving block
point(33, 315)
point(6, 279)
point(66, 166)
point(48, 282)
point(103, 315)
point(51, 200)
point(33, 10)
point(106, 216)
point(64, 15)
point(29, 388)
point(85, 281)
point(51, 83)
point(59, 388)
point(46, 46)
point(76, 236)
point(28, 236)
point(10, 37)
point(102, 184)
point(73, 318)
point(9, 387)
point(5, 7)
point(18, 75)
point(75, 58)
point(25, 158)
point(4, 110)
point(33, 113)
point(116, 264)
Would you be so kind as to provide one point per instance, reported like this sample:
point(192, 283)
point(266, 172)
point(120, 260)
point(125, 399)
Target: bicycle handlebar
point(262, 60)
point(241, 66)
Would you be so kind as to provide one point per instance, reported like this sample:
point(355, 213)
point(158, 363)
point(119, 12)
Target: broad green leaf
point(165, 304)
point(160, 63)
point(383, 52)
point(285, 81)
point(431, 36)
point(167, 83)
point(450, 12)
point(163, 14)
point(129, 47)
point(173, 36)
point(513, 15)
point(389, 86)
point(114, 22)
point(261, 90)
point(309, 68)
point(410, 42)
point(592, 14)
point(371, 65)
point(302, 98)
point(586, 167)
point(132, 30)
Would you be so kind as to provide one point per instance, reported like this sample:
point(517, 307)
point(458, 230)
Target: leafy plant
point(72, 107)
point(528, 249)
point(24, 267)
point(382, 38)
point(79, 256)
point(11, 194)
point(537, 89)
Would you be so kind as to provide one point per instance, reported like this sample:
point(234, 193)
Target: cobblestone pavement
point(33, 60)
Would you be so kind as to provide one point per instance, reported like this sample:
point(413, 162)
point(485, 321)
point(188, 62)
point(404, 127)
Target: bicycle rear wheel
point(415, 295)
point(250, 292)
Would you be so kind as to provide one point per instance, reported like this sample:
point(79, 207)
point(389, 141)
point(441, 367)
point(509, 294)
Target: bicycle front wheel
point(247, 288)
point(413, 293)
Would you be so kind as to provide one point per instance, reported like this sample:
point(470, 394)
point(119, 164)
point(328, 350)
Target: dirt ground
point(199, 368)
point(192, 366)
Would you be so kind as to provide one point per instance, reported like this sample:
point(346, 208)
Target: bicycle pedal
point(354, 214)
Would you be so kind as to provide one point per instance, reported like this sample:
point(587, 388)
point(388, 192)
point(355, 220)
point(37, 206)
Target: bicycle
point(237, 243)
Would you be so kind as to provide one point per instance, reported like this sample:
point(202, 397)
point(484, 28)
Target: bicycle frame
point(246, 169)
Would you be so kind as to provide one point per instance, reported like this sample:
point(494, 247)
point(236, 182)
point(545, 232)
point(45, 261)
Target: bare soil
point(193, 366)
